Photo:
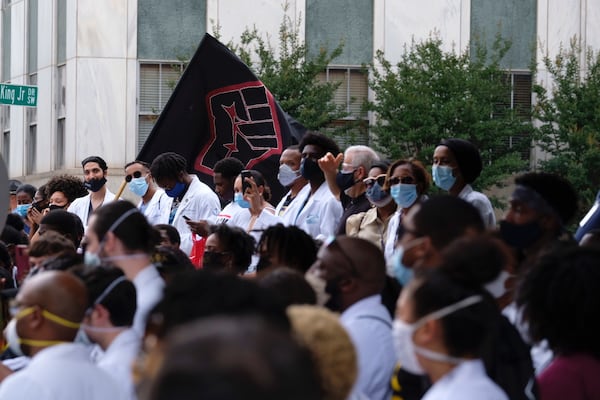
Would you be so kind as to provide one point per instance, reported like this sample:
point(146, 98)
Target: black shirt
point(351, 205)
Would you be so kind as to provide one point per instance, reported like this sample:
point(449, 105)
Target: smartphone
point(186, 217)
point(245, 185)
point(37, 206)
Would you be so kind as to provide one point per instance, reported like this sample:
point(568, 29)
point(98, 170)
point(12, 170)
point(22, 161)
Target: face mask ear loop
point(122, 218)
point(466, 302)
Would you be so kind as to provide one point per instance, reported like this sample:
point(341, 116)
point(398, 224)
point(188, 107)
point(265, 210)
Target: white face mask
point(497, 286)
point(318, 284)
point(12, 337)
point(287, 175)
point(406, 350)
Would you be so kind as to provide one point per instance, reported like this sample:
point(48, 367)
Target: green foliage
point(430, 95)
point(570, 120)
point(290, 75)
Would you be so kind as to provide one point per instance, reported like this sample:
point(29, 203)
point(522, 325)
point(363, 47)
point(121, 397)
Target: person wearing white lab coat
point(50, 306)
point(315, 209)
point(192, 199)
point(154, 202)
point(289, 176)
point(95, 171)
point(108, 323)
point(440, 327)
point(256, 213)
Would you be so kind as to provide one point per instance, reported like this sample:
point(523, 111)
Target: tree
point(569, 115)
point(291, 76)
point(430, 95)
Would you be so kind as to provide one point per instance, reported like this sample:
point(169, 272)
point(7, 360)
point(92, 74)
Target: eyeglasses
point(136, 174)
point(405, 179)
point(371, 181)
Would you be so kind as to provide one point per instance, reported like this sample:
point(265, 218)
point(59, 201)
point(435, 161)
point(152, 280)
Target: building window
point(60, 143)
point(61, 78)
point(519, 100)
point(6, 38)
point(351, 96)
point(157, 82)
point(61, 31)
point(32, 36)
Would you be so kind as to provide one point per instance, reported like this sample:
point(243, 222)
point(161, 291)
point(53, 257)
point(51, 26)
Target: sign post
point(18, 95)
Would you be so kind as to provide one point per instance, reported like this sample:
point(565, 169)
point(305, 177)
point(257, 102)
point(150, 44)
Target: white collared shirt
point(481, 203)
point(119, 357)
point(370, 327)
point(467, 381)
point(149, 287)
point(64, 372)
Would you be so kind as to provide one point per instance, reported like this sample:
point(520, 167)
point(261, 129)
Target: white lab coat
point(467, 381)
point(63, 371)
point(149, 287)
point(320, 215)
point(158, 209)
point(199, 202)
point(280, 205)
point(118, 359)
point(81, 206)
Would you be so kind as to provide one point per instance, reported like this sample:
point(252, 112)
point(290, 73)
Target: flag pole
point(120, 191)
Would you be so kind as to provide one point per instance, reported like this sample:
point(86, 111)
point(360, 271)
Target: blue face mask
point(239, 199)
point(402, 273)
point(176, 190)
point(404, 194)
point(138, 186)
point(22, 209)
point(442, 177)
point(377, 196)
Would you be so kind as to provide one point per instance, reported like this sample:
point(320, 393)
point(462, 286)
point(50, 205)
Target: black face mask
point(332, 288)
point(212, 261)
point(345, 180)
point(520, 236)
point(95, 184)
point(310, 169)
point(55, 207)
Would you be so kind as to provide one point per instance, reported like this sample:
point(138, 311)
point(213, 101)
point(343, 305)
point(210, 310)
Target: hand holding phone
point(245, 185)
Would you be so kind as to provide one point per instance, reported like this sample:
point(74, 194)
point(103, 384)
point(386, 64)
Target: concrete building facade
point(104, 69)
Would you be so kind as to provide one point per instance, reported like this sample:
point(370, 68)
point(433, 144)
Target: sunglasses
point(136, 174)
point(405, 179)
point(371, 181)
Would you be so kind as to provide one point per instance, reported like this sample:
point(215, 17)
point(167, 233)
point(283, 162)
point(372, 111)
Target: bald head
point(356, 258)
point(59, 292)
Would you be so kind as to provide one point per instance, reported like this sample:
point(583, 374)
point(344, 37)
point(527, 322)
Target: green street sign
point(18, 95)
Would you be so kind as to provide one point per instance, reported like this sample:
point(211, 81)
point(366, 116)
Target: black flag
point(220, 109)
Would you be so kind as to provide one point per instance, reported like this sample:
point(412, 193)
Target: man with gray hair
point(347, 184)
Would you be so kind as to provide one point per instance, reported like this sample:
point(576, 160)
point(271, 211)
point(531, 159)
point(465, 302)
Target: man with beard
point(353, 270)
point(95, 171)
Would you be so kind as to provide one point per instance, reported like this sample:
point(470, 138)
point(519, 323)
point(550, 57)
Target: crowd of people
point(370, 279)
